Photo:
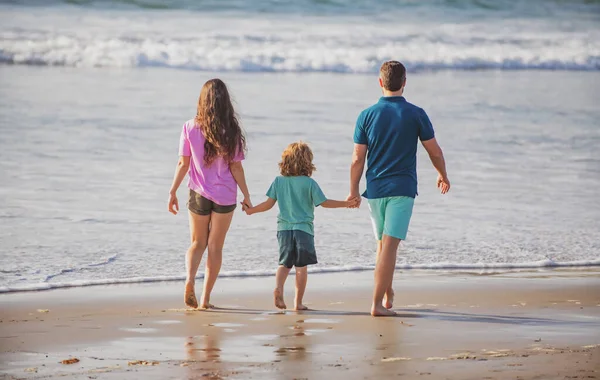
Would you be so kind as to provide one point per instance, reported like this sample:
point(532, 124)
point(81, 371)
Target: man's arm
point(356, 171)
point(437, 159)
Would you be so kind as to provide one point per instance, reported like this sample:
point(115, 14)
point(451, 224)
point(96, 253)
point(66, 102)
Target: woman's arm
point(265, 206)
point(330, 203)
point(180, 171)
point(237, 170)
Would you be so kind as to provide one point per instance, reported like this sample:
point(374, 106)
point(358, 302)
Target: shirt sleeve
point(184, 143)
point(272, 192)
point(360, 136)
point(425, 128)
point(317, 194)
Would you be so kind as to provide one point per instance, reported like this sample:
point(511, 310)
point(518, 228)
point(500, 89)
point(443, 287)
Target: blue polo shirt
point(391, 129)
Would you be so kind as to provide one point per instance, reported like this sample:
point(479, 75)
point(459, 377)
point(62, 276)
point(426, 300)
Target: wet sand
point(538, 325)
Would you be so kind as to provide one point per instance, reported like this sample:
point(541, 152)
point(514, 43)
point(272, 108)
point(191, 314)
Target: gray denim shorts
point(296, 249)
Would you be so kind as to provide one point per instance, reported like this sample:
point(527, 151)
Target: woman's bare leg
point(199, 239)
point(219, 225)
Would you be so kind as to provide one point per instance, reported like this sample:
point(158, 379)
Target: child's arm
point(330, 203)
point(265, 206)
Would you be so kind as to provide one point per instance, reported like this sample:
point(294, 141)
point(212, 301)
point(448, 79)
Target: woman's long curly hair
point(296, 160)
point(218, 122)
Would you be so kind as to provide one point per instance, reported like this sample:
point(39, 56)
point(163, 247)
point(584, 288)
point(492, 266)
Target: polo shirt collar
point(394, 99)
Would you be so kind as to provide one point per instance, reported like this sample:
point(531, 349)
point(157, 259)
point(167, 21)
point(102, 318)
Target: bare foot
point(207, 306)
point(380, 311)
point(189, 297)
point(388, 301)
point(300, 307)
point(278, 296)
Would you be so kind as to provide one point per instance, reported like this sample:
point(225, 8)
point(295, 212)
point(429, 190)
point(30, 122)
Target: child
point(298, 195)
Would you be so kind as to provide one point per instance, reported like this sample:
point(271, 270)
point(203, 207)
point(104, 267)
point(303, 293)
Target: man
point(386, 135)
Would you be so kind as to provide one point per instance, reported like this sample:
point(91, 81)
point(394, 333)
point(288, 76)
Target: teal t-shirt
point(297, 198)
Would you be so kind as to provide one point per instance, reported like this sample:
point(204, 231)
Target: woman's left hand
point(173, 204)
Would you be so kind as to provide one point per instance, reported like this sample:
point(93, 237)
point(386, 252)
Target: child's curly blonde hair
point(296, 160)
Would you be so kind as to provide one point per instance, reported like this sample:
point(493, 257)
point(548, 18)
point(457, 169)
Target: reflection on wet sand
point(203, 349)
point(293, 350)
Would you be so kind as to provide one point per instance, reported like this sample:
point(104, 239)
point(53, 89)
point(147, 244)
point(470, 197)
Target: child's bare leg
point(301, 278)
point(282, 274)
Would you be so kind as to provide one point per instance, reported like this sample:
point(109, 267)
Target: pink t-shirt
point(214, 182)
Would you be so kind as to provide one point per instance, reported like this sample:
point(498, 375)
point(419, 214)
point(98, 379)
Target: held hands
point(246, 209)
point(247, 206)
point(443, 184)
point(353, 200)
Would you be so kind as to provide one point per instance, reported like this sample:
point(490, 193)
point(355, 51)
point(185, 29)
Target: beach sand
point(535, 325)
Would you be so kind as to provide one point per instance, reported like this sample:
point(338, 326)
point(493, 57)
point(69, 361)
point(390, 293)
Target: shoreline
point(442, 269)
point(460, 326)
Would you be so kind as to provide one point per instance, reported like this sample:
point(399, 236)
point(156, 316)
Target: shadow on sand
point(420, 313)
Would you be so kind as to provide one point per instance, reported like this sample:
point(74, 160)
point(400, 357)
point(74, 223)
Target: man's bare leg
point(301, 278)
point(388, 300)
point(281, 276)
point(384, 275)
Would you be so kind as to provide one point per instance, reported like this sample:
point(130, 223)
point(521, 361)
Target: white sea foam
point(310, 53)
point(268, 273)
point(294, 45)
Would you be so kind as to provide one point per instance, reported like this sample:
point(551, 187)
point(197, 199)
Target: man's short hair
point(393, 75)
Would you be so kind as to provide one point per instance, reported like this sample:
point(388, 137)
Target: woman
point(211, 150)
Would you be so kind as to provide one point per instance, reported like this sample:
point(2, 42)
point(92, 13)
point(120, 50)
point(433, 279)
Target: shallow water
point(87, 156)
point(94, 95)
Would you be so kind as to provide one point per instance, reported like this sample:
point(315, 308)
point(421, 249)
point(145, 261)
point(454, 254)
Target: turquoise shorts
point(391, 216)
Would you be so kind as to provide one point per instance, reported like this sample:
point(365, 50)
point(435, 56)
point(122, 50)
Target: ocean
point(94, 94)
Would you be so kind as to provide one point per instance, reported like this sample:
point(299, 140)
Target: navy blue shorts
point(296, 249)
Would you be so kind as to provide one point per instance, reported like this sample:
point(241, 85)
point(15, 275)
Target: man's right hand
point(443, 184)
